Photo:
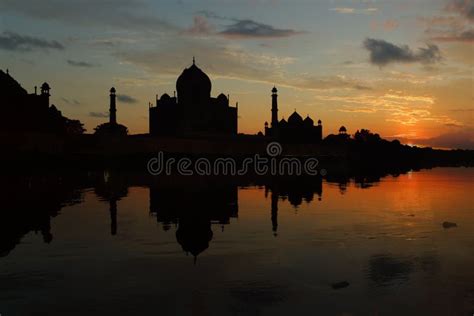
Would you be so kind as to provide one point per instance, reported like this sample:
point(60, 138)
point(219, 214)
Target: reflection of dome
point(295, 118)
point(193, 85)
point(194, 235)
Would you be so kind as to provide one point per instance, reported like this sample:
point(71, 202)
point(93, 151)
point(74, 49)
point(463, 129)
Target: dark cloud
point(246, 28)
point(24, 43)
point(126, 98)
point(454, 24)
point(383, 53)
point(252, 29)
point(124, 14)
point(76, 63)
point(460, 139)
point(465, 36)
point(99, 114)
point(362, 87)
point(71, 102)
point(463, 7)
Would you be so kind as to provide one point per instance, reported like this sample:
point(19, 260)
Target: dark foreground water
point(120, 245)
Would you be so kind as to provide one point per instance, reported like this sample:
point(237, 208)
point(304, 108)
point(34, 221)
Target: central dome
point(193, 85)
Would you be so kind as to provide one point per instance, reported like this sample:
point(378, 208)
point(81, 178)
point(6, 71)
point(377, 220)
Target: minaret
point(45, 93)
point(113, 109)
point(274, 123)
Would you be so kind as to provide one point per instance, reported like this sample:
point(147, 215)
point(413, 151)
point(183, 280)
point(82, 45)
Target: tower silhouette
point(113, 108)
point(274, 123)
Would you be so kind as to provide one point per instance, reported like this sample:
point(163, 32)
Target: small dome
point(222, 99)
point(45, 86)
point(308, 121)
point(283, 121)
point(295, 118)
point(112, 90)
point(193, 85)
point(319, 122)
point(342, 129)
point(165, 96)
point(266, 123)
point(274, 90)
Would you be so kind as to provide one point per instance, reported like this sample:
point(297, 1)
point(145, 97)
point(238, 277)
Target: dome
point(193, 85)
point(222, 99)
point(165, 96)
point(342, 129)
point(308, 121)
point(295, 118)
point(283, 121)
point(112, 90)
point(45, 86)
point(274, 90)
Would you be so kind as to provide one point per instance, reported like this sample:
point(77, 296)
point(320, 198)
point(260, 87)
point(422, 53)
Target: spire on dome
point(194, 61)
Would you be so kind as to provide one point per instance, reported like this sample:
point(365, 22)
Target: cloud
point(383, 53)
point(252, 29)
point(454, 140)
point(399, 107)
point(465, 36)
point(239, 28)
point(453, 24)
point(99, 114)
point(76, 63)
point(201, 26)
point(24, 43)
point(71, 102)
point(463, 7)
point(386, 25)
point(467, 110)
point(124, 14)
point(349, 10)
point(126, 98)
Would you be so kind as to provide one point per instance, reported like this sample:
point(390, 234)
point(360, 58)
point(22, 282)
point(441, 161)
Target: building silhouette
point(193, 111)
point(111, 128)
point(296, 129)
point(31, 112)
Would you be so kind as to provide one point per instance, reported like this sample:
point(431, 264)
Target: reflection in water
point(29, 203)
point(264, 245)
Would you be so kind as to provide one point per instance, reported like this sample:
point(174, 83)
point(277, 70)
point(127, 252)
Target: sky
point(403, 69)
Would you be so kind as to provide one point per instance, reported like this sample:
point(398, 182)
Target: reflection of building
point(29, 203)
point(193, 111)
point(296, 129)
point(295, 190)
point(111, 188)
point(194, 208)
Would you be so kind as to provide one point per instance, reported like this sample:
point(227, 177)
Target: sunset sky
point(403, 69)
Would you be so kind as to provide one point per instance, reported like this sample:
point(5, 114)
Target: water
point(120, 245)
